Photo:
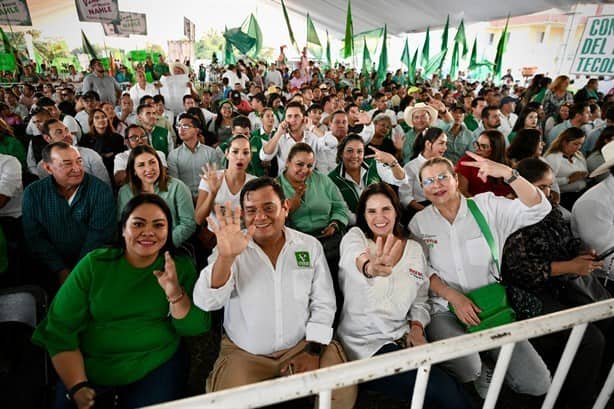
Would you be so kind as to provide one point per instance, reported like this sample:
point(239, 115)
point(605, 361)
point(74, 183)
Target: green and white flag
point(290, 32)
point(313, 41)
point(461, 39)
point(425, 49)
point(444, 41)
point(498, 69)
point(252, 28)
point(382, 67)
point(87, 46)
point(348, 43)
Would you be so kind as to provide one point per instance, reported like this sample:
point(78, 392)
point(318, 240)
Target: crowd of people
point(331, 219)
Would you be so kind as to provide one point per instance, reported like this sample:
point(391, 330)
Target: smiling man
point(65, 215)
point(288, 331)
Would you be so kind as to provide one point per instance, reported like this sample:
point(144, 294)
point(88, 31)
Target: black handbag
point(581, 290)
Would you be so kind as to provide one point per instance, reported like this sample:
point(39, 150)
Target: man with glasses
point(135, 136)
point(106, 86)
point(187, 161)
point(66, 215)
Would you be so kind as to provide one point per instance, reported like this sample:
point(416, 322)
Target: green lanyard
point(481, 221)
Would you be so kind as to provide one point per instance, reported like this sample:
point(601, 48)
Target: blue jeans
point(442, 391)
point(163, 384)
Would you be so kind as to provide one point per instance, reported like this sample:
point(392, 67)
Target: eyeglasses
point(482, 146)
point(441, 178)
point(185, 126)
point(136, 138)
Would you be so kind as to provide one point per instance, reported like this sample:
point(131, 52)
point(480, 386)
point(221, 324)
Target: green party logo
point(302, 259)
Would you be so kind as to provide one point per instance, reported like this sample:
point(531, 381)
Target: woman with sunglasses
point(489, 145)
point(461, 261)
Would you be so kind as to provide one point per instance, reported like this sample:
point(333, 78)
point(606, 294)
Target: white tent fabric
point(404, 16)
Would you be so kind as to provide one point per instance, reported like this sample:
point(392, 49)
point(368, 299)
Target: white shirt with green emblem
point(270, 308)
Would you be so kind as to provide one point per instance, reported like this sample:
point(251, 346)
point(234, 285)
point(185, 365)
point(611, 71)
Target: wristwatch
point(512, 178)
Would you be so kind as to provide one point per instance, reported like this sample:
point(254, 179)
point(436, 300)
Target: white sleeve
point(385, 173)
point(10, 177)
point(367, 133)
point(211, 299)
point(322, 304)
point(97, 167)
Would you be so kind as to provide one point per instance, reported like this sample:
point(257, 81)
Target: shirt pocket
point(301, 283)
point(478, 252)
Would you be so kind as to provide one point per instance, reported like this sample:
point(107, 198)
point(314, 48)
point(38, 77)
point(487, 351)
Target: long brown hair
point(136, 185)
point(568, 135)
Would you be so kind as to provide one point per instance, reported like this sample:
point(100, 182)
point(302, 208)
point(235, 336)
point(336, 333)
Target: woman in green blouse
point(113, 330)
point(147, 175)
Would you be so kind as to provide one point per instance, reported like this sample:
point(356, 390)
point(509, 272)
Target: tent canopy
point(404, 16)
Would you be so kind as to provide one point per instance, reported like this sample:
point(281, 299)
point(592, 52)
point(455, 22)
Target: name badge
point(302, 259)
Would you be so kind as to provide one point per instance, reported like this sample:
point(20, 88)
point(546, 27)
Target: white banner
point(189, 29)
point(133, 23)
point(98, 11)
point(112, 30)
point(15, 13)
point(595, 54)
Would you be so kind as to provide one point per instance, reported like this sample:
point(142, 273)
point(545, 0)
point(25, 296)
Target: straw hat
point(608, 154)
point(177, 64)
point(420, 106)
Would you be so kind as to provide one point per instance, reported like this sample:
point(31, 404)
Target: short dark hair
point(577, 109)
point(47, 124)
point(45, 102)
point(148, 198)
point(371, 190)
point(186, 96)
point(475, 101)
point(131, 127)
point(91, 95)
point(48, 150)
point(195, 121)
point(145, 98)
point(141, 107)
point(158, 98)
point(259, 183)
point(242, 121)
point(486, 111)
point(296, 104)
point(532, 169)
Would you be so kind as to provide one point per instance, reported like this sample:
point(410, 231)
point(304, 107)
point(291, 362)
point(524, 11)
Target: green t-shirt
point(11, 146)
point(118, 317)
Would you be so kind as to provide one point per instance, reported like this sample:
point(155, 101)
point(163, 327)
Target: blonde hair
point(568, 135)
point(558, 83)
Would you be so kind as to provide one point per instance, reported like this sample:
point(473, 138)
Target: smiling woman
point(147, 175)
point(92, 340)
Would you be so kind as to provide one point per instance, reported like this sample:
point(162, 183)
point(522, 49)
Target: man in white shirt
point(141, 88)
point(593, 213)
point(507, 116)
point(70, 122)
point(135, 136)
point(91, 101)
point(291, 131)
point(290, 329)
point(11, 191)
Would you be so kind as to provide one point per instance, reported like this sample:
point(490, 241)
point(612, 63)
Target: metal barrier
point(322, 381)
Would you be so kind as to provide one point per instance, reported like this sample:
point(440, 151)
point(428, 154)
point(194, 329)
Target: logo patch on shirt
point(416, 274)
point(430, 243)
point(302, 259)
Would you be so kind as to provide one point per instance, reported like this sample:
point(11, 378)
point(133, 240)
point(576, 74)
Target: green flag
point(474, 54)
point(461, 39)
point(371, 36)
point(313, 41)
point(366, 58)
point(290, 32)
point(229, 57)
point(478, 70)
point(252, 29)
point(383, 60)
point(87, 46)
point(454, 63)
point(500, 51)
point(8, 48)
point(329, 60)
point(425, 49)
point(433, 64)
point(412, 68)
point(348, 47)
point(444, 40)
point(406, 57)
point(239, 40)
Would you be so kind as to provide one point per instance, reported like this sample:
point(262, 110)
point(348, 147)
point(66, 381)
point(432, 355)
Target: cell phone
point(605, 254)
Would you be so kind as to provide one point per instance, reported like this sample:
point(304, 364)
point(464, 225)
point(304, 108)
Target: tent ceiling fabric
point(404, 16)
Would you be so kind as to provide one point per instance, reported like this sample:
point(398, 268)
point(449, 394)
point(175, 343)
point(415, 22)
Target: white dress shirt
point(458, 252)
point(412, 190)
point(507, 123)
point(593, 219)
point(563, 168)
point(286, 142)
point(10, 185)
point(326, 158)
point(376, 311)
point(270, 308)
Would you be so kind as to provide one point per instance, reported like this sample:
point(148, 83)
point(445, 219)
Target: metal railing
point(323, 381)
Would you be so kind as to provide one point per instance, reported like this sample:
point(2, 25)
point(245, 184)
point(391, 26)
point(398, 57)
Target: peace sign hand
point(381, 156)
point(387, 254)
point(231, 241)
point(487, 167)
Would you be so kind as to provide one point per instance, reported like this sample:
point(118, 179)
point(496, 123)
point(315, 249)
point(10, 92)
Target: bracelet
point(364, 269)
point(71, 392)
point(176, 299)
point(393, 164)
point(417, 324)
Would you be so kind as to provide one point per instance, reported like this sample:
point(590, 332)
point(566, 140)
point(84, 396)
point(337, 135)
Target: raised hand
point(381, 156)
point(386, 256)
point(167, 278)
point(211, 177)
point(231, 241)
point(364, 118)
point(295, 201)
point(398, 141)
point(487, 167)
